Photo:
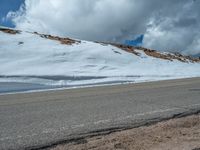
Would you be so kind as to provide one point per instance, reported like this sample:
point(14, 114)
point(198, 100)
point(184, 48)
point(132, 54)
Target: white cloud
point(88, 19)
point(167, 25)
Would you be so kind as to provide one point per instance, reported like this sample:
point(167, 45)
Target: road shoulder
point(181, 133)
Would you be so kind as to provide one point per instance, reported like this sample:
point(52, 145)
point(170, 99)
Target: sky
point(165, 25)
point(7, 6)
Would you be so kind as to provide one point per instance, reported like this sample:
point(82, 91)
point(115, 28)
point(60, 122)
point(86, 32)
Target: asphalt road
point(36, 120)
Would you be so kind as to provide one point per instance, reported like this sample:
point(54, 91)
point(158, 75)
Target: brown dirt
point(156, 54)
point(66, 41)
point(10, 31)
point(175, 134)
point(129, 49)
point(171, 57)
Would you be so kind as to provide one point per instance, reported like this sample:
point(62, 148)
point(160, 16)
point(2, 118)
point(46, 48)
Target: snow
point(28, 58)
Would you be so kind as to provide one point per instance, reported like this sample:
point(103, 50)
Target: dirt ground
point(175, 134)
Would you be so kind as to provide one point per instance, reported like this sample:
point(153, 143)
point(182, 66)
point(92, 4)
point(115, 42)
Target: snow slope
point(29, 58)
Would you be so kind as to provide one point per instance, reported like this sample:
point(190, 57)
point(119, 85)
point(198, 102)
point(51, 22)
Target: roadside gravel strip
point(175, 134)
point(41, 120)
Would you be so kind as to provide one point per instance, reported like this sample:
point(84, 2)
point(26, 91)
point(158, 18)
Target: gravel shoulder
point(175, 134)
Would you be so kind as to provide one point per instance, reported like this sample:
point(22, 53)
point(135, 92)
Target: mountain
point(31, 57)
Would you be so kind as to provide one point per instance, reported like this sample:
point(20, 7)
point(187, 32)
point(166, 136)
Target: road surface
point(42, 119)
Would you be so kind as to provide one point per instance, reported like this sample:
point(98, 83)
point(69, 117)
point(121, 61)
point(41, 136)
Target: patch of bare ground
point(168, 56)
point(62, 40)
point(175, 134)
point(129, 49)
point(126, 48)
point(10, 31)
point(156, 54)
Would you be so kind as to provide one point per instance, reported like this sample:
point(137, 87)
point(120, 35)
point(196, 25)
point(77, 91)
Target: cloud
point(88, 19)
point(166, 25)
point(177, 30)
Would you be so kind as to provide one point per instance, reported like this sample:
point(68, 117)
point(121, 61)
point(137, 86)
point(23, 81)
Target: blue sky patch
point(5, 7)
point(135, 42)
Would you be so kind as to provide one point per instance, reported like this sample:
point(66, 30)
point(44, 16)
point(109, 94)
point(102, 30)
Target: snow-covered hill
point(44, 59)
